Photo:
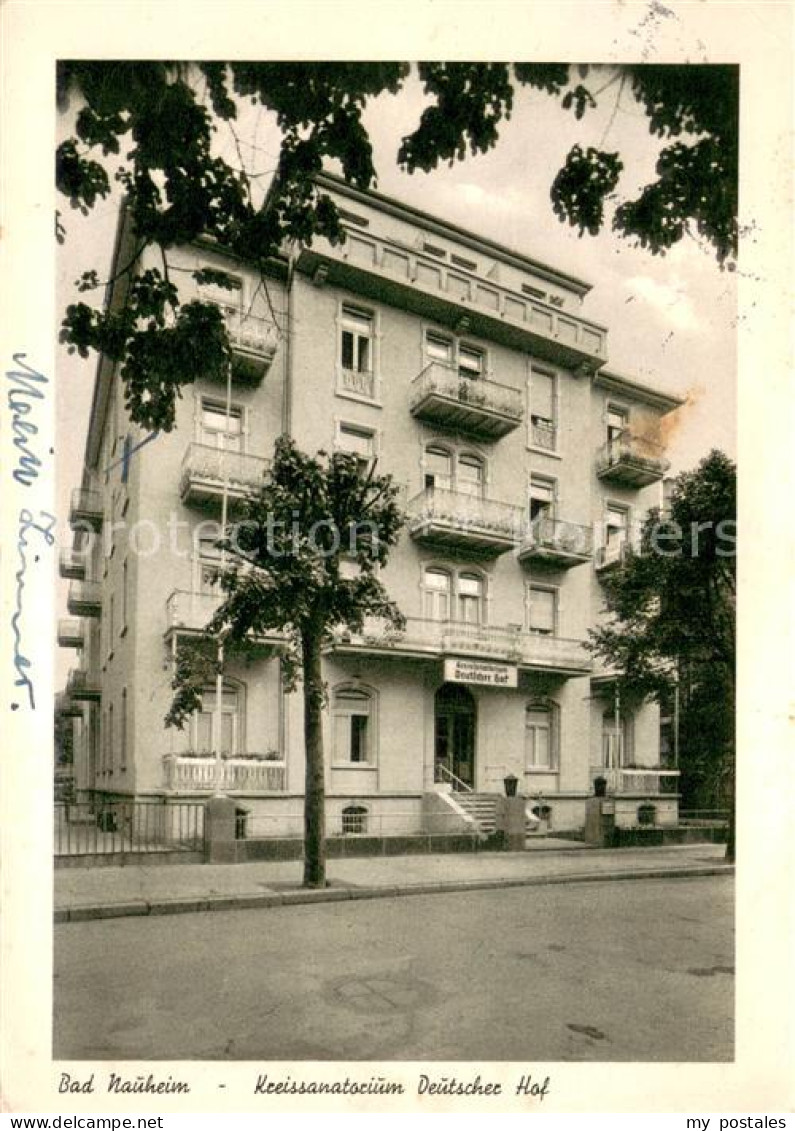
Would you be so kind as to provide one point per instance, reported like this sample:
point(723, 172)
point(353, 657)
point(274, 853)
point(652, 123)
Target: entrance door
point(456, 715)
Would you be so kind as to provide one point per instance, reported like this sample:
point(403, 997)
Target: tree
point(286, 549)
point(673, 615)
point(178, 188)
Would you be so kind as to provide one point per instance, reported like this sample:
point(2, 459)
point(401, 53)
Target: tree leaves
point(579, 190)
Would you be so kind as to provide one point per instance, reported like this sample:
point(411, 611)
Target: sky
point(671, 319)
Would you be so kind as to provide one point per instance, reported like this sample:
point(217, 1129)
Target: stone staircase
point(481, 808)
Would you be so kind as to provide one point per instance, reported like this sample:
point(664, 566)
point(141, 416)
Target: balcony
point(205, 468)
point(509, 644)
point(631, 461)
point(357, 382)
point(72, 565)
point(611, 556)
point(84, 599)
point(558, 543)
point(455, 520)
point(251, 773)
point(70, 633)
point(254, 342)
point(638, 781)
point(480, 408)
point(86, 510)
point(82, 686)
point(189, 613)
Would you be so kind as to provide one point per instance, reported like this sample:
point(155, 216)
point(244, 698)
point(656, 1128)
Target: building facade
point(473, 376)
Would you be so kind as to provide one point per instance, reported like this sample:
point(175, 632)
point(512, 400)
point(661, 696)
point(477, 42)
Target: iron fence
point(130, 827)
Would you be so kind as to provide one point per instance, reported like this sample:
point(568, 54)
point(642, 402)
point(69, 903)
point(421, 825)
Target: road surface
point(621, 971)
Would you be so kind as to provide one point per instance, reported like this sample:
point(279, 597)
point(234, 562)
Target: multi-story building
point(473, 376)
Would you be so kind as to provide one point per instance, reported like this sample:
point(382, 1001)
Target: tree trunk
point(314, 794)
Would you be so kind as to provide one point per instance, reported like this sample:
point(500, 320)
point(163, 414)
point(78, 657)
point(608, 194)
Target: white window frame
point(455, 454)
point(554, 590)
point(548, 371)
point(454, 594)
point(340, 711)
point(457, 343)
point(217, 403)
point(374, 316)
point(552, 709)
point(238, 718)
point(545, 481)
point(374, 434)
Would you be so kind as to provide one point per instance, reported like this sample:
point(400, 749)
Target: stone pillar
point(600, 821)
point(220, 845)
point(512, 823)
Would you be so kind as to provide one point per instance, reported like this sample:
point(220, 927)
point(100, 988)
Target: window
point(465, 472)
point(205, 723)
point(470, 361)
point(110, 739)
point(615, 733)
point(356, 341)
point(470, 598)
point(220, 429)
point(352, 719)
point(542, 497)
point(354, 819)
point(358, 441)
point(438, 468)
point(460, 597)
point(538, 737)
point(617, 419)
point(543, 410)
point(616, 532)
point(439, 348)
point(209, 561)
point(542, 610)
point(437, 589)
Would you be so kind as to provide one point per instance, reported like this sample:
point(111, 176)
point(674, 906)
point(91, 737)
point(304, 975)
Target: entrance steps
point(481, 808)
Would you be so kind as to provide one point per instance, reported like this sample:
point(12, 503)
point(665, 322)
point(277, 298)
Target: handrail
point(447, 775)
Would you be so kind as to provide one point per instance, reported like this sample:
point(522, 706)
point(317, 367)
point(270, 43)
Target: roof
point(629, 387)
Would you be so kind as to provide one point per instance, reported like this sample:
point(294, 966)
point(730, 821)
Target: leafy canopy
point(152, 125)
point(286, 553)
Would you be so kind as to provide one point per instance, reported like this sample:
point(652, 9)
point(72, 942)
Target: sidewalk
point(152, 889)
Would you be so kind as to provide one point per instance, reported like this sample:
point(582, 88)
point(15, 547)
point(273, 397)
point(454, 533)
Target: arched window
point(437, 592)
point(438, 468)
point(205, 722)
point(470, 474)
point(470, 598)
point(353, 726)
point(541, 738)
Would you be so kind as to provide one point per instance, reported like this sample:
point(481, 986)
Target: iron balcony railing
point(438, 507)
point(249, 332)
point(205, 468)
point(86, 509)
point(506, 644)
point(358, 381)
point(637, 779)
point(554, 536)
point(543, 435)
point(611, 555)
point(442, 393)
point(190, 612)
point(82, 685)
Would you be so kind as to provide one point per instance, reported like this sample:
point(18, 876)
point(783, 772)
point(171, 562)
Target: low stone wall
point(649, 837)
point(274, 848)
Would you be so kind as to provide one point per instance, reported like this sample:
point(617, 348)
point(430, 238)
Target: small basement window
point(354, 820)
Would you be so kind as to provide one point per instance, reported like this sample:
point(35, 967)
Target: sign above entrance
point(484, 672)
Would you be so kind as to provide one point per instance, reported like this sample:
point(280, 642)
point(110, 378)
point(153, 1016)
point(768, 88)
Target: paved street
point(638, 970)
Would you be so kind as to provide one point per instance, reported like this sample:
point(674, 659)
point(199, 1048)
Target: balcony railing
point(457, 520)
point(84, 599)
point(205, 469)
point(246, 774)
point(543, 435)
point(634, 780)
point(85, 509)
point(70, 633)
point(254, 342)
point(188, 613)
point(83, 686)
point(359, 382)
point(560, 543)
point(72, 564)
point(632, 460)
point(479, 407)
point(506, 644)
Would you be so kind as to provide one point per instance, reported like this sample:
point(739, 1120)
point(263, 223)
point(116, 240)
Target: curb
point(81, 913)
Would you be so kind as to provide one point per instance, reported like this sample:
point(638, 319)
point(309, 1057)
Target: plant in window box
point(469, 392)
